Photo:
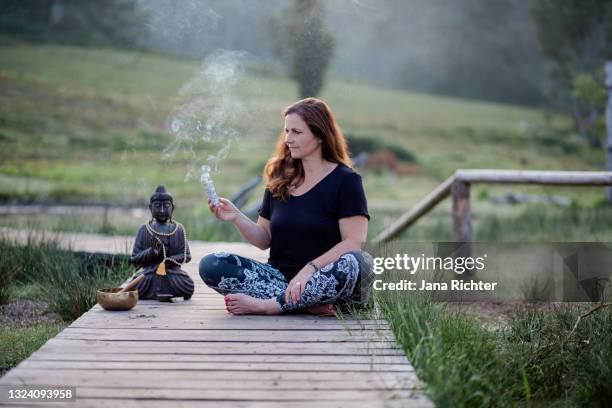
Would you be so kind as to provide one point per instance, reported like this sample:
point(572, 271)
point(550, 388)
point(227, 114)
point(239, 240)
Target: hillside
point(83, 125)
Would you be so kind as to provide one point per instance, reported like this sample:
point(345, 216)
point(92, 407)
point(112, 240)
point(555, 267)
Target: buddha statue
point(160, 249)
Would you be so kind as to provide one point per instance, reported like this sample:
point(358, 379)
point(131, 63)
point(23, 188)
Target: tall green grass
point(534, 361)
point(67, 281)
point(71, 286)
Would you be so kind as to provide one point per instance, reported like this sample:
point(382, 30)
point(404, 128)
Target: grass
point(40, 269)
point(16, 344)
point(534, 361)
point(72, 286)
point(518, 223)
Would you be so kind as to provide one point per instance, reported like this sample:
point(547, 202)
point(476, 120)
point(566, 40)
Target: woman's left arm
point(353, 231)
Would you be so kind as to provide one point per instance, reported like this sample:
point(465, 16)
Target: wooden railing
point(458, 185)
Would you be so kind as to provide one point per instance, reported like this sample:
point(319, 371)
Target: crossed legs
point(252, 287)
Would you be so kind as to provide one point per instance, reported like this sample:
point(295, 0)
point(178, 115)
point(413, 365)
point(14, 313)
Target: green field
point(86, 125)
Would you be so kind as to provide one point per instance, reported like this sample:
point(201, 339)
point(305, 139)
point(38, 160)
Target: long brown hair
point(282, 172)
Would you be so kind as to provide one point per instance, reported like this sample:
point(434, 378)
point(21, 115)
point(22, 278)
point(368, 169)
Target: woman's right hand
point(225, 210)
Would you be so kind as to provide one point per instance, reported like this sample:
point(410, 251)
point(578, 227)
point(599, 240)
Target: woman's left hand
point(297, 284)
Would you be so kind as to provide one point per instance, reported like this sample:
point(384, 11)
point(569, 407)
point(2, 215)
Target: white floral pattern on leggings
point(336, 282)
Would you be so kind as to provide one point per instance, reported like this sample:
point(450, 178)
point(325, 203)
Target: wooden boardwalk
point(196, 354)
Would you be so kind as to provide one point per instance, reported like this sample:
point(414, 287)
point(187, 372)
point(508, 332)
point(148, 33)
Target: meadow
point(84, 126)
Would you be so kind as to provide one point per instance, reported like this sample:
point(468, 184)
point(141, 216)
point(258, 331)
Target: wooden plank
point(566, 178)
point(223, 316)
point(226, 318)
point(331, 336)
point(176, 308)
point(177, 375)
point(217, 358)
point(237, 348)
point(175, 394)
point(212, 366)
point(416, 401)
point(154, 324)
point(196, 321)
point(93, 379)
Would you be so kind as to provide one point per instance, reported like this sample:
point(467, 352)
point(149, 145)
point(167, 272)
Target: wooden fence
point(458, 186)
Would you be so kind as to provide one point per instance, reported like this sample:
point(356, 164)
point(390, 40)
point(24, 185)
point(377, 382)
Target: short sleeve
point(265, 209)
point(351, 197)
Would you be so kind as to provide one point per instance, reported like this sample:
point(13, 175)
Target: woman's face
point(299, 139)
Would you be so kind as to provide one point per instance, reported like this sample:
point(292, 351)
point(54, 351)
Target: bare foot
point(328, 309)
point(239, 303)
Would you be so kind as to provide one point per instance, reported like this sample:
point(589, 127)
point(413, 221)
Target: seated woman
point(160, 248)
point(314, 219)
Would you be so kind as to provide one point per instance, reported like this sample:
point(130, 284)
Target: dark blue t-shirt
point(306, 226)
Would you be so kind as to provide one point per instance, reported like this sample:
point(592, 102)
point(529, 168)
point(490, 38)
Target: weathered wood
point(563, 178)
point(192, 324)
point(213, 366)
point(462, 222)
point(118, 401)
point(204, 347)
point(228, 336)
point(217, 358)
point(463, 178)
point(175, 376)
point(245, 395)
point(96, 379)
point(195, 353)
point(608, 69)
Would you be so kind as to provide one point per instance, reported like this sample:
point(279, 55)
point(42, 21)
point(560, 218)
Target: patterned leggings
point(346, 282)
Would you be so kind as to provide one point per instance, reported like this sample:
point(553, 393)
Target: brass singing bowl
point(109, 299)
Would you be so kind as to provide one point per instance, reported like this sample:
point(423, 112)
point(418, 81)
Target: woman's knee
point(363, 260)
point(211, 269)
point(361, 295)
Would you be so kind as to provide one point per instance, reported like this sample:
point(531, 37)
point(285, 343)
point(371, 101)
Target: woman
point(314, 219)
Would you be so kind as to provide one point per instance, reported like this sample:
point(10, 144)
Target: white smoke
point(203, 122)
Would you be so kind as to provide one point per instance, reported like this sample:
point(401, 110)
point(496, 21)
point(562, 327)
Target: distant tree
point(576, 36)
point(112, 22)
point(100, 22)
point(25, 17)
point(307, 45)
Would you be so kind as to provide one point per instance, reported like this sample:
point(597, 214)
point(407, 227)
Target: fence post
point(462, 218)
point(462, 222)
point(608, 69)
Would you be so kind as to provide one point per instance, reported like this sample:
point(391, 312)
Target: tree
point(307, 45)
point(25, 17)
point(101, 22)
point(576, 36)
